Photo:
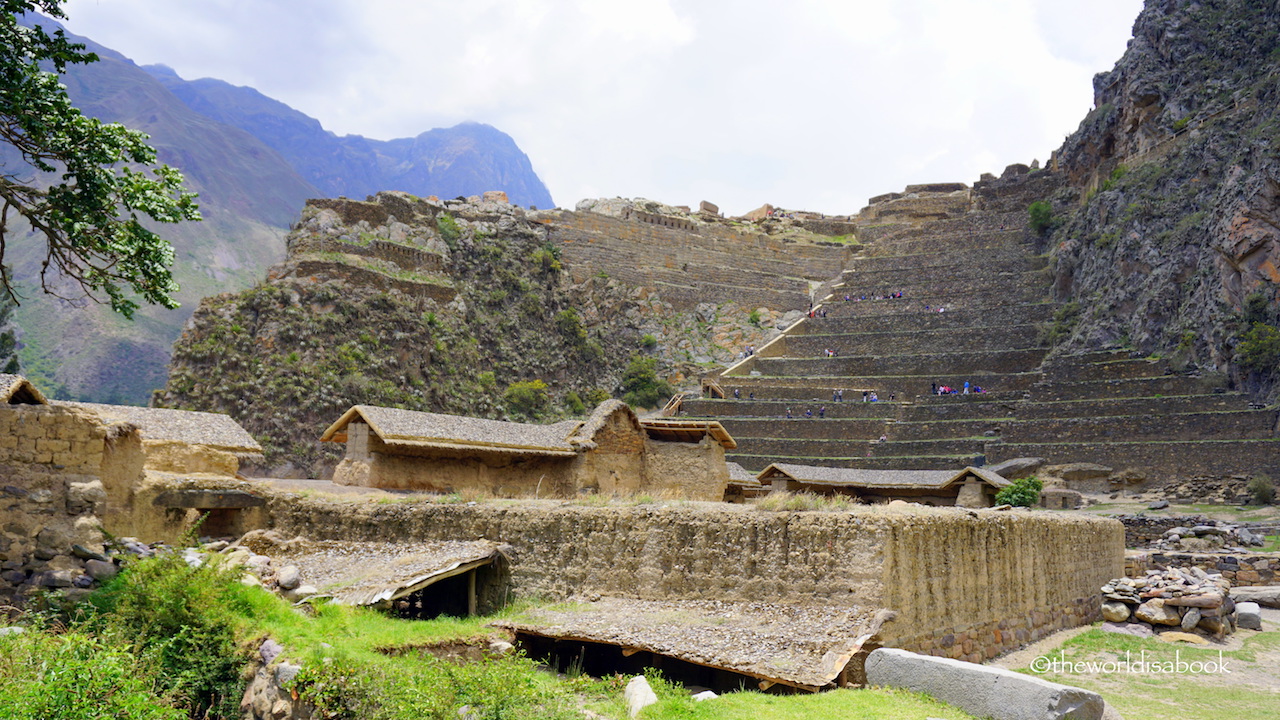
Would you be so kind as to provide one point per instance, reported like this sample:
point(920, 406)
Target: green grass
point(873, 704)
point(1242, 695)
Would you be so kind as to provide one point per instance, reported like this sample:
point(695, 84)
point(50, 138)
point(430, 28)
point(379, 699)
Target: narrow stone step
point(814, 428)
point(1182, 458)
point(1122, 369)
point(850, 408)
point(1095, 407)
point(1014, 313)
point(1237, 425)
point(1124, 388)
point(984, 338)
point(756, 463)
point(902, 386)
point(944, 429)
point(958, 363)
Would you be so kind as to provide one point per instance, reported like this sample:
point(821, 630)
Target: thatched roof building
point(212, 430)
point(971, 487)
point(612, 451)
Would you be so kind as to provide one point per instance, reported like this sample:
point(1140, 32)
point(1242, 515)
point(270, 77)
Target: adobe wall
point(972, 588)
point(56, 465)
point(696, 471)
point(624, 461)
point(965, 583)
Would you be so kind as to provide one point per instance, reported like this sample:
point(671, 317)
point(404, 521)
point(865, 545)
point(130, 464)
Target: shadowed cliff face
point(1172, 220)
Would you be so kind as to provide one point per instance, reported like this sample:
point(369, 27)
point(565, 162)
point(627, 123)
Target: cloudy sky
point(815, 104)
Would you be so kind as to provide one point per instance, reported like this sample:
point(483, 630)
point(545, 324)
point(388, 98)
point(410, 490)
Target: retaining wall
point(991, 579)
point(1239, 568)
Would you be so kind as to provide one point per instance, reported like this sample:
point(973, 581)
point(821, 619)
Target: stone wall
point(965, 583)
point(52, 465)
point(1239, 568)
point(689, 263)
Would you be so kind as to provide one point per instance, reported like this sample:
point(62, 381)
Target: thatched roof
point(584, 436)
point(372, 573)
point(410, 430)
point(673, 430)
point(738, 475)
point(804, 646)
point(214, 430)
point(876, 479)
point(17, 390)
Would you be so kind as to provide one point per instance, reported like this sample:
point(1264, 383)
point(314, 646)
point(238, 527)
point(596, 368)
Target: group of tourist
point(948, 390)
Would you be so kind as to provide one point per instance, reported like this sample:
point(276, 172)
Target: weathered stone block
point(981, 690)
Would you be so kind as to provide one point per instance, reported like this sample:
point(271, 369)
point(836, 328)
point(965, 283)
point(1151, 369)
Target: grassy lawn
point(844, 704)
point(1249, 691)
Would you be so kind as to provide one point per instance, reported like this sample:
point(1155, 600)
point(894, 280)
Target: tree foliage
point(1040, 215)
point(91, 209)
point(1022, 493)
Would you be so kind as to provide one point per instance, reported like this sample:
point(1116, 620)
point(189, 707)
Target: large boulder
point(982, 690)
point(1018, 468)
point(1267, 595)
point(1155, 612)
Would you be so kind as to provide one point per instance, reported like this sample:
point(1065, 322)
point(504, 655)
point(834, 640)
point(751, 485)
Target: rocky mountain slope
point(447, 162)
point(1168, 237)
point(250, 192)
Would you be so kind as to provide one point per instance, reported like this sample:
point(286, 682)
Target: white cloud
point(813, 103)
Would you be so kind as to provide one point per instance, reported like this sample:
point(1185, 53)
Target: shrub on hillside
point(1022, 493)
point(641, 386)
point(181, 621)
point(1040, 214)
point(527, 398)
point(1262, 489)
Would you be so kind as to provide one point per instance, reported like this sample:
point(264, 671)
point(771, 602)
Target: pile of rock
point(259, 570)
point(1165, 600)
point(1208, 537)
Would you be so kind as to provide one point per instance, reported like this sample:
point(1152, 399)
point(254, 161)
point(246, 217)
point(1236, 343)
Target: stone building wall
point(56, 464)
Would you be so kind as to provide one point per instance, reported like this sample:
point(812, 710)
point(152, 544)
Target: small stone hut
point(970, 487)
point(612, 452)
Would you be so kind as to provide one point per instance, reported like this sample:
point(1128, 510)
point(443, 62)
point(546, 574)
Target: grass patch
point(1242, 694)
point(675, 704)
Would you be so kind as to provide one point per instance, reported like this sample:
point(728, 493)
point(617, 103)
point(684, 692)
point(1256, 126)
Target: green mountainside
point(250, 193)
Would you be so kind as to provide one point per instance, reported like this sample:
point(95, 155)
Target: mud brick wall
point(51, 495)
point(964, 583)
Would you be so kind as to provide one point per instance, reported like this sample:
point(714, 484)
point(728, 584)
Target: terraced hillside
point(975, 307)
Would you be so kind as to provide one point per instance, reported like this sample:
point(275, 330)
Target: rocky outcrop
point(1168, 236)
point(441, 306)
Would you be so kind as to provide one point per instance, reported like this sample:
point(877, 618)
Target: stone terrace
point(975, 302)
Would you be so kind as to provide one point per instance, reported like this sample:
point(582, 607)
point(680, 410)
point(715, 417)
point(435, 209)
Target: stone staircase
point(975, 300)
